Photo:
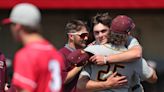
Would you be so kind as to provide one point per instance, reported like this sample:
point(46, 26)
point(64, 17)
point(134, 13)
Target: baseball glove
point(78, 58)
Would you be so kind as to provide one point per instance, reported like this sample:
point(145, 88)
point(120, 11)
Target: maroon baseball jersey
point(3, 72)
point(37, 68)
point(71, 86)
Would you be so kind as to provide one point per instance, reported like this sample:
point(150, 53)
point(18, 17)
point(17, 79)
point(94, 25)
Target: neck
point(71, 45)
point(28, 38)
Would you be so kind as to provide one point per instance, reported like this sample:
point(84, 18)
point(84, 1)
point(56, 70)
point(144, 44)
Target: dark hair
point(117, 38)
point(103, 18)
point(75, 26)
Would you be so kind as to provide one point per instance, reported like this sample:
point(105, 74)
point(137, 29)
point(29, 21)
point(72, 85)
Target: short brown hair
point(75, 26)
point(103, 18)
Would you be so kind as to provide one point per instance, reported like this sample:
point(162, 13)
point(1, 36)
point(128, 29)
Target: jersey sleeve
point(24, 75)
point(142, 68)
point(86, 71)
point(132, 42)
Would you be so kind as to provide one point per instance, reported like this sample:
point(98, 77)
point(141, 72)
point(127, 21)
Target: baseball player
point(97, 72)
point(77, 36)
point(134, 49)
point(101, 73)
point(37, 66)
point(3, 72)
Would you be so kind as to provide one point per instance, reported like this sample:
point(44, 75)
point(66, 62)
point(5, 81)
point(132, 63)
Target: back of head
point(75, 26)
point(26, 14)
point(122, 24)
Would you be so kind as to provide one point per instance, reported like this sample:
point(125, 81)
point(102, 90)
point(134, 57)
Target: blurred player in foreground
point(37, 66)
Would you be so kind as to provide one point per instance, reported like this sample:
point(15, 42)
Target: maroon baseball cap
point(122, 24)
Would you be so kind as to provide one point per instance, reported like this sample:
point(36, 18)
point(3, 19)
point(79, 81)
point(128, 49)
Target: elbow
point(153, 78)
point(138, 55)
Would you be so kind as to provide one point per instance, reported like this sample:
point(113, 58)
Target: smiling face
point(101, 33)
point(79, 38)
point(77, 33)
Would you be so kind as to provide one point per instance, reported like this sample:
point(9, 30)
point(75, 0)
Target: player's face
point(101, 33)
point(81, 37)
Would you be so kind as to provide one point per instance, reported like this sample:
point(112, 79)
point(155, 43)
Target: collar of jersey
point(70, 48)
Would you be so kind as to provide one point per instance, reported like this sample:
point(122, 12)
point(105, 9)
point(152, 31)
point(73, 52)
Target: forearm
point(87, 85)
point(95, 86)
point(127, 56)
point(71, 74)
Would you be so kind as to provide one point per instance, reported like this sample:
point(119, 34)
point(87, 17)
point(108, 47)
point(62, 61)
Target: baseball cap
point(26, 14)
point(122, 24)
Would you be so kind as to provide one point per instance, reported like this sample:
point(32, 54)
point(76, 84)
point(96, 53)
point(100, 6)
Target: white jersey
point(101, 73)
point(131, 42)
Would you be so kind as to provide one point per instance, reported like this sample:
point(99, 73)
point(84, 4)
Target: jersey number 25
point(104, 74)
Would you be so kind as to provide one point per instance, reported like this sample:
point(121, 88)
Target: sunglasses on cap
point(82, 35)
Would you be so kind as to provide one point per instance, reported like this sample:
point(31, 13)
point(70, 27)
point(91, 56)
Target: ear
point(71, 37)
point(18, 27)
point(129, 33)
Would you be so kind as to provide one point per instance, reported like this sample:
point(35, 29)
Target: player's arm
point(134, 52)
point(78, 58)
point(146, 72)
point(71, 74)
point(153, 78)
point(127, 56)
point(130, 55)
point(85, 84)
